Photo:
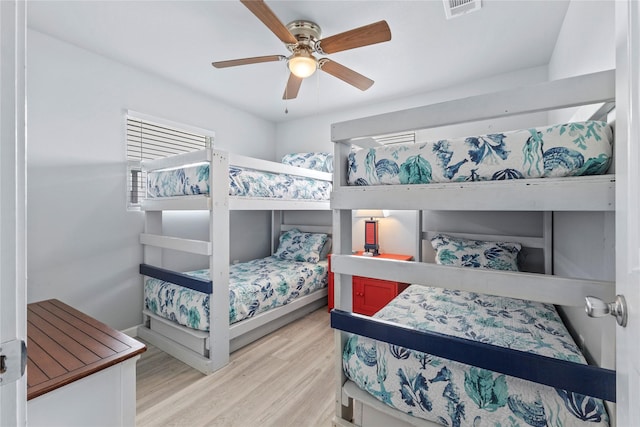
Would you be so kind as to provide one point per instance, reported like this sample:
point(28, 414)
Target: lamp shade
point(371, 213)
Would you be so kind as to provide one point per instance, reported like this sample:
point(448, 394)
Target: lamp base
point(371, 251)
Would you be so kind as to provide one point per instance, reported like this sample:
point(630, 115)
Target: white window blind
point(149, 140)
point(396, 138)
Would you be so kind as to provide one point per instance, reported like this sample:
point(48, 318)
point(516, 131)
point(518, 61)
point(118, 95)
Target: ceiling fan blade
point(293, 86)
point(260, 9)
point(377, 32)
point(245, 61)
point(345, 74)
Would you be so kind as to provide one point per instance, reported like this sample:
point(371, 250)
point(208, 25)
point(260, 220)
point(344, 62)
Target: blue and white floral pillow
point(461, 252)
point(298, 246)
point(322, 162)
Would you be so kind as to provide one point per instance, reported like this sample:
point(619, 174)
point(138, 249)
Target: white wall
point(586, 44)
point(82, 243)
point(584, 242)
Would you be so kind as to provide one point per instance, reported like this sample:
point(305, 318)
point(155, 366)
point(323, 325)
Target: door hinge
point(13, 361)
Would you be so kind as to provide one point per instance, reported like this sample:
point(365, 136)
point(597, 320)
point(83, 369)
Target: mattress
point(194, 180)
point(254, 287)
point(572, 149)
point(454, 394)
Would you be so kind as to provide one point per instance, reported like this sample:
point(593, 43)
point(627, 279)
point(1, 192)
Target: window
point(150, 138)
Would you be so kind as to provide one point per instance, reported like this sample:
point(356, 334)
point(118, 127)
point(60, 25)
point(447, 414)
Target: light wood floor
point(283, 379)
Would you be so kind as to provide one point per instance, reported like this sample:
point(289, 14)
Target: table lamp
point(371, 242)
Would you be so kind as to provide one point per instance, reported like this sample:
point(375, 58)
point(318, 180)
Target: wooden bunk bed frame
point(592, 193)
point(209, 351)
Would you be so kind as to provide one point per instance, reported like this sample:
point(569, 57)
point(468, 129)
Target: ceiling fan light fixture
point(302, 64)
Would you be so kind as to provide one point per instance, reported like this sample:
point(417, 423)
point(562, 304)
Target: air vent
point(453, 8)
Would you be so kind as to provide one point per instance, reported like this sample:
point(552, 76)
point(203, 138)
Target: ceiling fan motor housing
point(306, 32)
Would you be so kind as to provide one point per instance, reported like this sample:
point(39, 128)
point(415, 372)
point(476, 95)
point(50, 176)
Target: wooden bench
point(79, 370)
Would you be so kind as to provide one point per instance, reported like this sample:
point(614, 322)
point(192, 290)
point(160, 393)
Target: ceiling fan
point(302, 39)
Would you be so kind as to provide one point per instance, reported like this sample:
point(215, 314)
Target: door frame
point(628, 208)
point(13, 304)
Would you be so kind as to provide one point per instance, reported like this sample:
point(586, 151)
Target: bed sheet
point(194, 180)
point(572, 149)
point(254, 287)
point(454, 394)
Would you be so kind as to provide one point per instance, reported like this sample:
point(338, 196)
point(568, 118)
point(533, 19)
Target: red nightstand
point(370, 295)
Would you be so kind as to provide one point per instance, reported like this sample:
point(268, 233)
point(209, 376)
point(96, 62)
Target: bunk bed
point(486, 361)
point(201, 316)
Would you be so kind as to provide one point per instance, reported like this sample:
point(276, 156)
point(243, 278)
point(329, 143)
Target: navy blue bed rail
point(195, 283)
point(583, 379)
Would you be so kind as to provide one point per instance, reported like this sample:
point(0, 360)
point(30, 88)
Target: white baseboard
point(132, 332)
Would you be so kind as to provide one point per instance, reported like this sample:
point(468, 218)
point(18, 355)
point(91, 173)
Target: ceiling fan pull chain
point(318, 91)
point(286, 100)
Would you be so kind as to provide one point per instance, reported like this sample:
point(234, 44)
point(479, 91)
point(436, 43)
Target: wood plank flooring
point(284, 379)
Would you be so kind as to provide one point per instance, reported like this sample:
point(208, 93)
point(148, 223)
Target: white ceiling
point(179, 39)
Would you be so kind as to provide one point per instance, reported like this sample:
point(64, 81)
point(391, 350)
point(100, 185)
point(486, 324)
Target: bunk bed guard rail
point(583, 379)
point(195, 283)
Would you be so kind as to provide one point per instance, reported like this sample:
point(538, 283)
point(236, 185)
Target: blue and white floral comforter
point(194, 179)
point(571, 149)
point(254, 286)
point(455, 394)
